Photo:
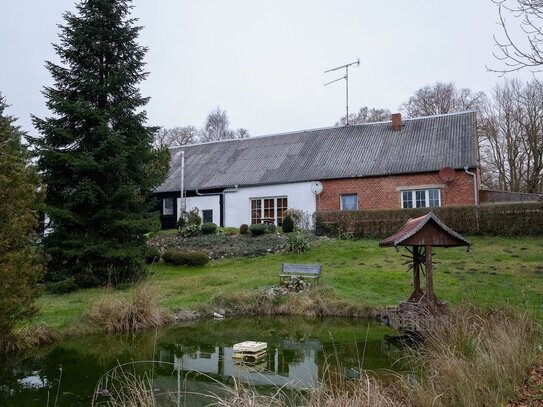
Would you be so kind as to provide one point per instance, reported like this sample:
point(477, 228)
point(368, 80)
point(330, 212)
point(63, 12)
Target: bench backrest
point(315, 269)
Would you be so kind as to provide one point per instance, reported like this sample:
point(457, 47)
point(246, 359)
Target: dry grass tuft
point(124, 388)
point(242, 395)
point(318, 301)
point(118, 315)
point(365, 392)
point(476, 360)
point(26, 338)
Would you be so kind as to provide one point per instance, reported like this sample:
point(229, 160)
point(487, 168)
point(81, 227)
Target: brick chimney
point(396, 121)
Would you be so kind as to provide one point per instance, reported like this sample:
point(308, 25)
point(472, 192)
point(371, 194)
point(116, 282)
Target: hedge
point(495, 220)
point(258, 229)
point(183, 257)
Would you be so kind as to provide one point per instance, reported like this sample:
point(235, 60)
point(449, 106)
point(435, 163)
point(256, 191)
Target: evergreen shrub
point(209, 228)
point(152, 255)
point(64, 286)
point(288, 224)
point(185, 258)
point(244, 229)
point(258, 229)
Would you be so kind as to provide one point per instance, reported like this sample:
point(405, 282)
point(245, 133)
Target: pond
point(187, 361)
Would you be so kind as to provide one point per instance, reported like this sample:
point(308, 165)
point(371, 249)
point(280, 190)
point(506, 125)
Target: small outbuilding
point(418, 236)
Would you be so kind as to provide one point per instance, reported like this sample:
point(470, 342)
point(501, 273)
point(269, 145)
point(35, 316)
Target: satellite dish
point(447, 174)
point(316, 187)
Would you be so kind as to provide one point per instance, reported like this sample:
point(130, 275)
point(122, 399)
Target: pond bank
point(140, 310)
point(481, 358)
point(298, 351)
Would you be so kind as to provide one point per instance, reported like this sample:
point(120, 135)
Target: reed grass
point(477, 360)
point(26, 338)
point(118, 315)
point(125, 388)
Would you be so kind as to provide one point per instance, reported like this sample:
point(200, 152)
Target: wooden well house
point(422, 309)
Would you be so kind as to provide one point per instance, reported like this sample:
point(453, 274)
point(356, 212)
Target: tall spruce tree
point(96, 152)
point(20, 266)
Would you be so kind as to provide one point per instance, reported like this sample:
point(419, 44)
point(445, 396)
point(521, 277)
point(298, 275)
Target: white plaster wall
point(238, 204)
point(203, 203)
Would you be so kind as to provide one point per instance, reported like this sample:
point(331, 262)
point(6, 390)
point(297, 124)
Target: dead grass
point(316, 302)
point(27, 338)
point(123, 388)
point(365, 392)
point(115, 315)
point(477, 360)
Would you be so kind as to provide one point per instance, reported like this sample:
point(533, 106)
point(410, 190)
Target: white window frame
point(164, 207)
point(261, 199)
point(341, 201)
point(426, 191)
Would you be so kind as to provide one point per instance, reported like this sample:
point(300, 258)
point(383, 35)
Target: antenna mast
point(346, 77)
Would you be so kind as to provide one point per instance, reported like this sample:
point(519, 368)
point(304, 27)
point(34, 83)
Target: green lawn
point(496, 271)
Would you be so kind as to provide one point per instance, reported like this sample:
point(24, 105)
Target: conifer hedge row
point(495, 220)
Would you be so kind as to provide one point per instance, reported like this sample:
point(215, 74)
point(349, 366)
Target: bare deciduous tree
point(176, 136)
point(511, 137)
point(217, 127)
point(522, 49)
point(441, 98)
point(366, 115)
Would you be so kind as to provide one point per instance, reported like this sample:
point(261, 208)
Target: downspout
point(475, 195)
point(182, 202)
point(222, 202)
point(475, 192)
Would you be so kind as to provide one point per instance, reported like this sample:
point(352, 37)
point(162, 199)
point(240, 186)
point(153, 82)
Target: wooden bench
point(313, 271)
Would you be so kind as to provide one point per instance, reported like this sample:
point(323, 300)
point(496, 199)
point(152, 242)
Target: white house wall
point(203, 203)
point(238, 203)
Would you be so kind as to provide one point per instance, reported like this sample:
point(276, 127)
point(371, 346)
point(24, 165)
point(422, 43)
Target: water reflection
point(197, 358)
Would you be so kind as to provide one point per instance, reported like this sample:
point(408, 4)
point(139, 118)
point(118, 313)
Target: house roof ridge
point(287, 133)
point(432, 116)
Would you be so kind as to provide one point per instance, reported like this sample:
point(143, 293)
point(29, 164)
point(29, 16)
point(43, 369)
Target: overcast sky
point(263, 61)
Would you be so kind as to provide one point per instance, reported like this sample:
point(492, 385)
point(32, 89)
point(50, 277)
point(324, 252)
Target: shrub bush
point(271, 228)
point(64, 286)
point(194, 217)
point(288, 224)
point(320, 227)
point(258, 229)
point(515, 219)
point(181, 223)
point(228, 231)
point(296, 243)
point(152, 255)
point(190, 231)
point(209, 228)
point(244, 229)
point(185, 258)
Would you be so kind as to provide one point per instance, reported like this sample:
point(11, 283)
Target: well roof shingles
point(373, 149)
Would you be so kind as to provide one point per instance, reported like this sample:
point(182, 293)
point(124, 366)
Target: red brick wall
point(381, 193)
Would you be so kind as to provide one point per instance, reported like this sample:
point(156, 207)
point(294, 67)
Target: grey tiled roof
point(423, 144)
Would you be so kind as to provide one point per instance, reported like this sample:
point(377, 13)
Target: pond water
point(195, 359)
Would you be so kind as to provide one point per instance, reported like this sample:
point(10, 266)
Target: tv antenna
point(346, 77)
